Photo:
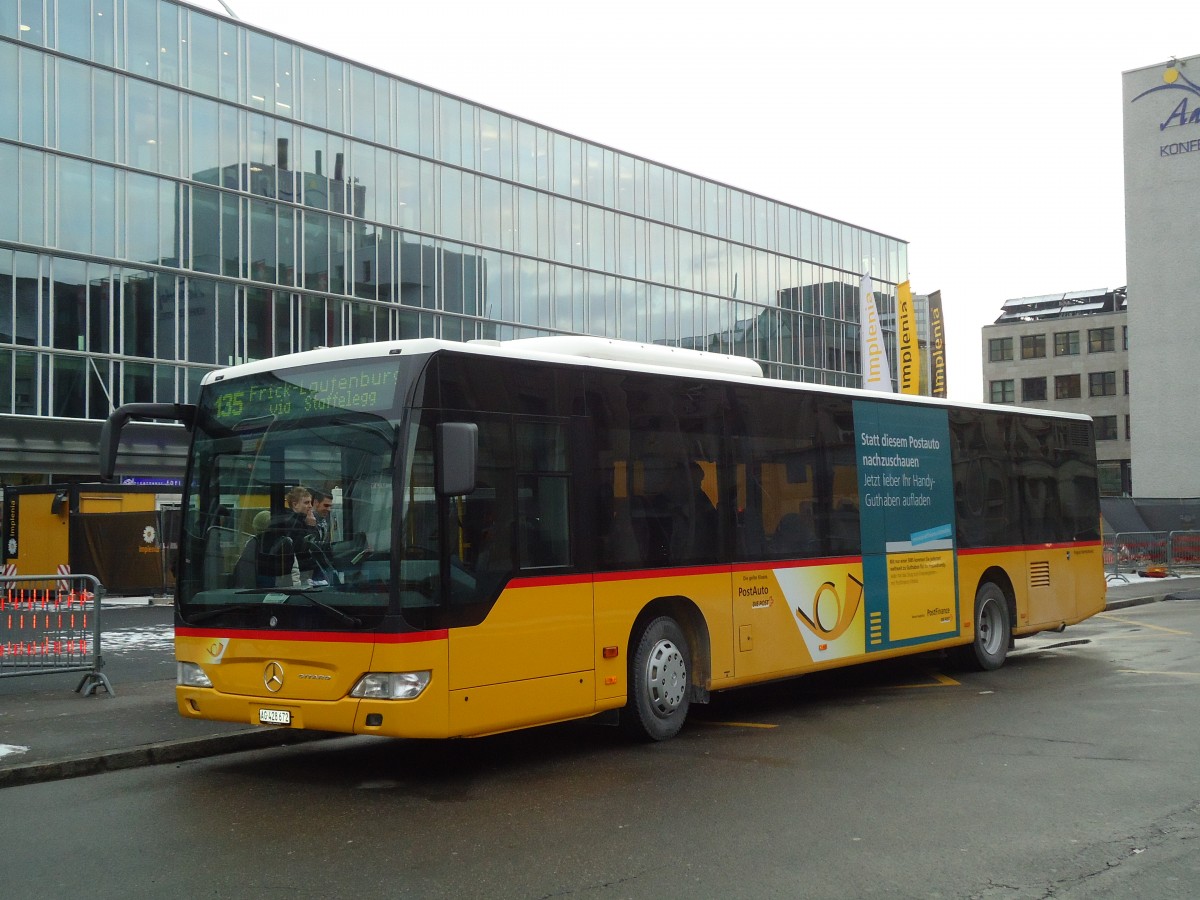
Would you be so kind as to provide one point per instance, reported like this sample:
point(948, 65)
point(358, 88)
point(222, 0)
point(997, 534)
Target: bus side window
point(543, 488)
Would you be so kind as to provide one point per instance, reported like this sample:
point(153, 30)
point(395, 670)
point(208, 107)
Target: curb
point(157, 754)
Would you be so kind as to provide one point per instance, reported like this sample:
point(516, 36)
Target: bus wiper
point(345, 617)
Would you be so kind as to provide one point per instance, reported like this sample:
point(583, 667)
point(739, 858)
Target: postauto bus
point(552, 528)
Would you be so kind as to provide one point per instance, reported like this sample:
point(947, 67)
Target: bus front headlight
point(391, 685)
point(191, 675)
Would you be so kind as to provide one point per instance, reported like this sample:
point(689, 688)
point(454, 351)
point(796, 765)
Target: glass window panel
point(263, 152)
point(104, 25)
point(335, 74)
point(33, 101)
point(9, 99)
point(141, 217)
point(9, 224)
point(260, 71)
point(104, 212)
point(526, 153)
point(204, 49)
point(6, 381)
point(313, 95)
point(100, 307)
point(285, 67)
point(168, 132)
point(141, 124)
point(230, 155)
point(316, 251)
point(263, 231)
point(137, 319)
point(141, 28)
point(450, 120)
point(25, 383)
point(137, 382)
point(68, 304)
point(286, 245)
point(168, 42)
point(165, 320)
point(27, 284)
point(229, 33)
point(362, 97)
point(230, 236)
point(7, 332)
point(68, 386)
point(204, 141)
point(74, 108)
point(74, 27)
point(75, 192)
point(408, 128)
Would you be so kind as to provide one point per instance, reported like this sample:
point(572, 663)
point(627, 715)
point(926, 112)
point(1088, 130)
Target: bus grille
point(1039, 574)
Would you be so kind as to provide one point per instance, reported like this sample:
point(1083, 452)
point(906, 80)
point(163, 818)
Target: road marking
point(736, 724)
point(941, 682)
point(1148, 672)
point(1124, 620)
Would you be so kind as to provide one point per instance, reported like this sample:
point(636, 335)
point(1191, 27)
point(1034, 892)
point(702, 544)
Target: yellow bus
point(553, 528)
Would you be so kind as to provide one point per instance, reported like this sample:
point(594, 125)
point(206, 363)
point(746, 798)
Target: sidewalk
point(48, 732)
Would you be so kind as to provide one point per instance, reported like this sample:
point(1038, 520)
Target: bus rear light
point(391, 685)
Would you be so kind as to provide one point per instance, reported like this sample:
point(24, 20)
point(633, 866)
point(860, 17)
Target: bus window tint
point(657, 470)
point(796, 475)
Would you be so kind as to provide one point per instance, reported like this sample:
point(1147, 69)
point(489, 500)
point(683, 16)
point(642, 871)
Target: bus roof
point(604, 353)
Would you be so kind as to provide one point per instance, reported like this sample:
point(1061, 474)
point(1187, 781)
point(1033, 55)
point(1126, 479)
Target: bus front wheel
point(659, 682)
point(993, 629)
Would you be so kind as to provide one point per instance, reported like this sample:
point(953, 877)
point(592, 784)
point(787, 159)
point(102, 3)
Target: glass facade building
point(184, 191)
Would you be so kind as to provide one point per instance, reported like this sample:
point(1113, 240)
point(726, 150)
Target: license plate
point(275, 717)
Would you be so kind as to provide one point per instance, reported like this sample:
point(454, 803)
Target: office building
point(1068, 352)
point(1162, 219)
point(185, 191)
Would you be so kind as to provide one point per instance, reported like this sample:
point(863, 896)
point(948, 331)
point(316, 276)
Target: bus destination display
point(367, 387)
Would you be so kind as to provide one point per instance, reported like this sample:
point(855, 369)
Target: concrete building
point(184, 191)
point(1162, 222)
point(1068, 352)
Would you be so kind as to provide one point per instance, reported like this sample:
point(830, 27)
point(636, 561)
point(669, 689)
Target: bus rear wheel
point(993, 629)
point(659, 682)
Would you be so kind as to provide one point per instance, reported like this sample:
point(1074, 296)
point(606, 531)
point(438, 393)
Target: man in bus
point(285, 544)
point(322, 557)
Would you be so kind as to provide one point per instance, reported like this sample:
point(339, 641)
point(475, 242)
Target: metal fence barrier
point(1176, 553)
point(51, 624)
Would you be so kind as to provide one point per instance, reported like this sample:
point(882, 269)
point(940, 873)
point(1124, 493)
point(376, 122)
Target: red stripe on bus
point(1030, 548)
point(341, 637)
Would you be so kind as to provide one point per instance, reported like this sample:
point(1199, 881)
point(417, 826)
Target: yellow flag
point(909, 358)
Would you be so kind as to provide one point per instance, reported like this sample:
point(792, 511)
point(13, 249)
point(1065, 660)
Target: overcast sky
point(987, 135)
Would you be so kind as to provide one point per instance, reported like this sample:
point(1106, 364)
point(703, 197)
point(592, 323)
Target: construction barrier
point(51, 624)
point(1173, 553)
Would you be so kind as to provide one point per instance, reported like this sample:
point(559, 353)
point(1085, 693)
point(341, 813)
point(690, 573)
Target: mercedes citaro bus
point(546, 529)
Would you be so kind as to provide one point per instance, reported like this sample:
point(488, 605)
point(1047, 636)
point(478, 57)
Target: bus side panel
point(619, 601)
point(1091, 586)
point(536, 628)
point(792, 618)
point(530, 661)
point(972, 566)
point(1066, 585)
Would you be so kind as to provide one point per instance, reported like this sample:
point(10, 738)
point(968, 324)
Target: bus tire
point(993, 629)
point(659, 682)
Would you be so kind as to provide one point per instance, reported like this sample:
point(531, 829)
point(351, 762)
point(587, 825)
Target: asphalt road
point(1072, 772)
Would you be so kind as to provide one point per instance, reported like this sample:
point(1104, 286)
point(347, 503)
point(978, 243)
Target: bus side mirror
point(456, 445)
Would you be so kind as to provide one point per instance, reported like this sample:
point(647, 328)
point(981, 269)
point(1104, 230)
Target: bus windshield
point(288, 511)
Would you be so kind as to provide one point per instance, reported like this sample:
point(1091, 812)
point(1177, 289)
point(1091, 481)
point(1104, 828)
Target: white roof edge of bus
point(590, 347)
point(533, 348)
